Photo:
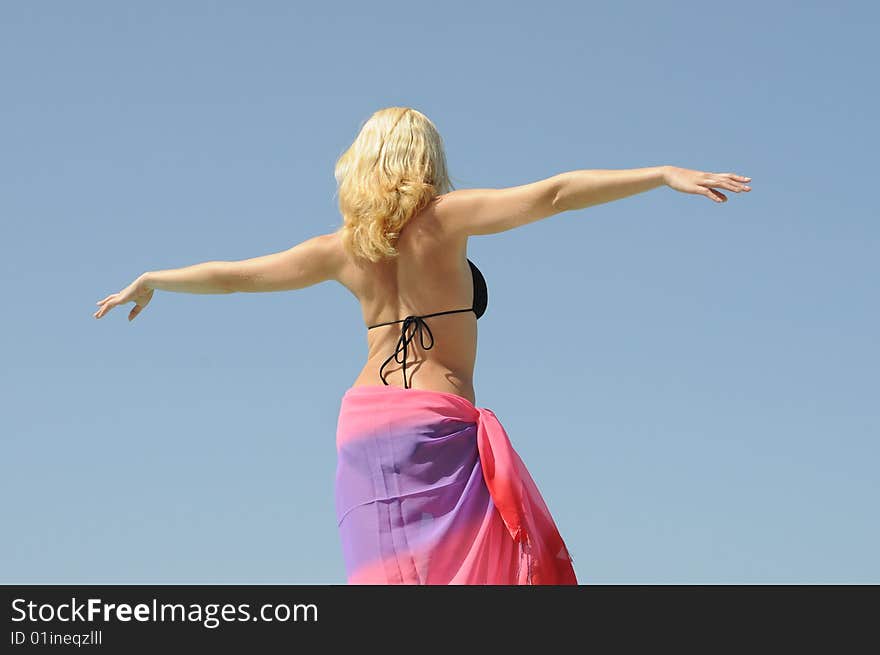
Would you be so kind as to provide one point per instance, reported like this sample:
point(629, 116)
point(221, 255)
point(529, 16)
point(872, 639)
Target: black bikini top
point(416, 324)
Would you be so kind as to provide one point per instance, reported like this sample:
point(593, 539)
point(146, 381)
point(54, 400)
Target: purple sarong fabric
point(429, 490)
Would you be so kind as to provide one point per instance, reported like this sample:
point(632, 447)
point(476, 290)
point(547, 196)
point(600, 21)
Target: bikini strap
point(412, 325)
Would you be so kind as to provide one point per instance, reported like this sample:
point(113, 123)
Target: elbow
point(225, 279)
point(560, 201)
point(556, 203)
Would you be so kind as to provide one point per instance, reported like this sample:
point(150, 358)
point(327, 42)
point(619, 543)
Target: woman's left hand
point(702, 182)
point(137, 292)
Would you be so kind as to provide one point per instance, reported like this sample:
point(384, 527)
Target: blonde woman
point(429, 489)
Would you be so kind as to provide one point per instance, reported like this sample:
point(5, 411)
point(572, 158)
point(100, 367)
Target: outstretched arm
point(305, 264)
point(471, 212)
point(314, 260)
point(586, 188)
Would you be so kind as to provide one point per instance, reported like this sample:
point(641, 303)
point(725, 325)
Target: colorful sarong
point(429, 490)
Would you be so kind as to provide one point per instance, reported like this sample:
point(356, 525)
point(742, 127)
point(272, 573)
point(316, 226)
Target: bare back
point(430, 275)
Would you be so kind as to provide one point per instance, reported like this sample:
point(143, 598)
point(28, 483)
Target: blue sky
point(693, 386)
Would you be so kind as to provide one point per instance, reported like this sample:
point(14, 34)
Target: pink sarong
point(429, 490)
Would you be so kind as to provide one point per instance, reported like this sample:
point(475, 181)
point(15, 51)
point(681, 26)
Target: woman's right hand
point(702, 183)
point(138, 292)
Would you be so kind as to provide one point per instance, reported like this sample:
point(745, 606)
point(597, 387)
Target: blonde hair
point(393, 169)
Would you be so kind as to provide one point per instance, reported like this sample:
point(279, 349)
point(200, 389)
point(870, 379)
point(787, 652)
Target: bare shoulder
point(480, 211)
point(342, 266)
point(332, 250)
point(447, 210)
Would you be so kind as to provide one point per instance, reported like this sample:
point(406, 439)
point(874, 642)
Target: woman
point(429, 489)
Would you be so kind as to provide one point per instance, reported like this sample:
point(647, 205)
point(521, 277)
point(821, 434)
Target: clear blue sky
point(694, 386)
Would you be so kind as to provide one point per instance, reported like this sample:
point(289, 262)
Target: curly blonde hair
point(393, 169)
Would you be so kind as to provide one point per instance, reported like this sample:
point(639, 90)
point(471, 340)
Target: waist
point(425, 375)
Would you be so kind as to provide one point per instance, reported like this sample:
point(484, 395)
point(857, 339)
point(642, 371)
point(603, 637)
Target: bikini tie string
point(412, 325)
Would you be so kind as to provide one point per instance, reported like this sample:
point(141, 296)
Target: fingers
point(107, 304)
point(725, 182)
point(739, 181)
point(106, 308)
point(712, 194)
point(702, 183)
point(139, 306)
point(115, 299)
